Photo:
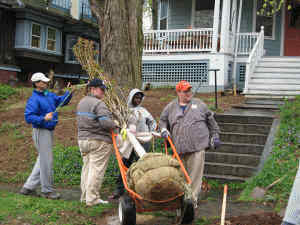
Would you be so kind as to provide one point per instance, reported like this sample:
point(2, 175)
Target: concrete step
point(258, 139)
point(256, 106)
point(274, 87)
point(273, 96)
point(281, 64)
point(222, 118)
point(275, 81)
point(241, 148)
point(264, 101)
point(232, 158)
point(222, 169)
point(244, 128)
point(262, 69)
point(280, 94)
point(280, 59)
point(275, 75)
point(225, 177)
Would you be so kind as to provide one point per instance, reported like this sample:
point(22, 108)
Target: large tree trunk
point(121, 35)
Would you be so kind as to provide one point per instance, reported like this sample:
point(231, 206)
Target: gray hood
point(130, 97)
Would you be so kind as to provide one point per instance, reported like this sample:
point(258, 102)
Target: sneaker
point(26, 191)
point(51, 195)
point(97, 202)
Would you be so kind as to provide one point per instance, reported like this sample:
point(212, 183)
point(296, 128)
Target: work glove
point(215, 142)
point(164, 133)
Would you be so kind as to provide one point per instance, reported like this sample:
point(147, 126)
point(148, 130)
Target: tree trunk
point(121, 35)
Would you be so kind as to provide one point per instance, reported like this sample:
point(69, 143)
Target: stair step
point(229, 169)
point(281, 93)
point(279, 64)
point(225, 177)
point(241, 148)
point(222, 118)
point(256, 106)
point(244, 128)
point(275, 75)
point(275, 81)
point(268, 95)
point(274, 87)
point(264, 101)
point(232, 158)
point(259, 139)
point(272, 69)
point(281, 59)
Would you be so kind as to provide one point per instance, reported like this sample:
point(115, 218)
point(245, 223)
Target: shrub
point(6, 91)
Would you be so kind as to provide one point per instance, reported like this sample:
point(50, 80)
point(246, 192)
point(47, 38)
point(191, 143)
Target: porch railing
point(62, 4)
point(255, 55)
point(181, 40)
point(246, 42)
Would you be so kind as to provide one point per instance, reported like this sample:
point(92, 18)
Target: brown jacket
point(94, 120)
point(190, 130)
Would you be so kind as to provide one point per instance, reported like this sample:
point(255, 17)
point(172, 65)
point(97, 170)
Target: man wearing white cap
point(40, 111)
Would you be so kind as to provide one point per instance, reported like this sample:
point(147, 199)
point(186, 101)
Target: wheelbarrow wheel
point(188, 212)
point(127, 212)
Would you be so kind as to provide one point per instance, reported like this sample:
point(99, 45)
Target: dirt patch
point(261, 218)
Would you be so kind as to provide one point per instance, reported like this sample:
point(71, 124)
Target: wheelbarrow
point(131, 202)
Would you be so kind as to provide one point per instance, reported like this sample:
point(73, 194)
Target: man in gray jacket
point(192, 127)
point(95, 123)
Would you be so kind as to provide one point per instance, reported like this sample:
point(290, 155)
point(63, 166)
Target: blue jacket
point(39, 104)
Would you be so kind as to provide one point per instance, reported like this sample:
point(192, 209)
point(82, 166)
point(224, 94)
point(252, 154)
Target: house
point(38, 35)
point(257, 53)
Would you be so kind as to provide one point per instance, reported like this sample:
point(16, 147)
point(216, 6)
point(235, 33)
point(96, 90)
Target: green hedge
point(6, 91)
point(284, 158)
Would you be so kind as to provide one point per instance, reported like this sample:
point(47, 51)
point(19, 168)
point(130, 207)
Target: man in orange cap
point(192, 127)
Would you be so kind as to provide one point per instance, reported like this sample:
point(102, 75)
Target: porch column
point(216, 26)
point(225, 25)
point(234, 15)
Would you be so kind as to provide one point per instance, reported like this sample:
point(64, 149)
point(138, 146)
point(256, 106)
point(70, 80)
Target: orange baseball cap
point(183, 86)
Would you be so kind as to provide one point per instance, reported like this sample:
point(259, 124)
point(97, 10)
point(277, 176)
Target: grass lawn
point(19, 209)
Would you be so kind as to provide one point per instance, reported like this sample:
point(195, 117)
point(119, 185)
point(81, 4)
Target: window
point(163, 14)
point(268, 21)
point(70, 57)
point(205, 5)
point(36, 36)
point(51, 39)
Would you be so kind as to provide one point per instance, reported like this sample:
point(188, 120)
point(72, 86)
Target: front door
point(292, 32)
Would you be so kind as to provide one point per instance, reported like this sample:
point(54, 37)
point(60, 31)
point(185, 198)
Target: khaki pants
point(95, 155)
point(194, 164)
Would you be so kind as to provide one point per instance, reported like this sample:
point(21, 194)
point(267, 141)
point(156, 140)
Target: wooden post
point(224, 205)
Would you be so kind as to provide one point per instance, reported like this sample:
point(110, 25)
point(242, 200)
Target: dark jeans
point(127, 162)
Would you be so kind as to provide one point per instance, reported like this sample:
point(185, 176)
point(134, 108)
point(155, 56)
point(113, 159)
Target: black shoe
point(117, 194)
point(51, 195)
point(26, 191)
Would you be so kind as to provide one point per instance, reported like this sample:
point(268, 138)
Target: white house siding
point(272, 47)
point(179, 14)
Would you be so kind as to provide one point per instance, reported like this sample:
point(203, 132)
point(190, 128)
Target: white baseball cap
point(39, 77)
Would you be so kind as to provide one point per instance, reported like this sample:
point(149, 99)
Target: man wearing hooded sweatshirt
point(40, 111)
point(143, 122)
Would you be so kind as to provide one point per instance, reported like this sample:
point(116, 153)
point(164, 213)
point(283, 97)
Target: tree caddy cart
point(130, 202)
